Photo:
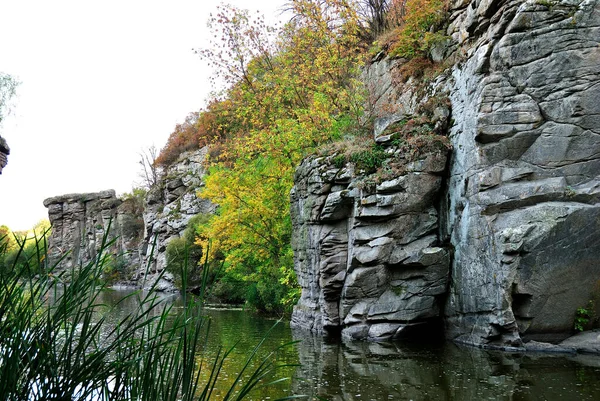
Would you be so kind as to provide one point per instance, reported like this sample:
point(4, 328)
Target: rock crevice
point(518, 217)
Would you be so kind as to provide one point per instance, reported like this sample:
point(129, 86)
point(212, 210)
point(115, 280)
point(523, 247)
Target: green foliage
point(116, 268)
point(583, 316)
point(412, 138)
point(418, 30)
point(369, 160)
point(59, 344)
point(24, 251)
point(339, 161)
point(136, 199)
point(289, 91)
point(227, 291)
point(184, 255)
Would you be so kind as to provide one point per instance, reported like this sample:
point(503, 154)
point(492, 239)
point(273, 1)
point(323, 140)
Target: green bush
point(369, 160)
point(23, 254)
point(583, 317)
point(226, 291)
point(184, 256)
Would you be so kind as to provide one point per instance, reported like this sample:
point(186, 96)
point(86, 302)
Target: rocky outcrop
point(171, 203)
point(81, 222)
point(141, 230)
point(524, 188)
point(367, 254)
point(4, 152)
point(520, 208)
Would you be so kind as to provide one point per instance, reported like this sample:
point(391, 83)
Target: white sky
point(101, 80)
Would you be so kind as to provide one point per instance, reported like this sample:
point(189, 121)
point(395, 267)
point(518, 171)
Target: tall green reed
point(56, 342)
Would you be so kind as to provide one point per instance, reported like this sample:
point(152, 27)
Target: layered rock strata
point(171, 203)
point(367, 255)
point(521, 207)
point(524, 188)
point(141, 231)
point(82, 222)
point(4, 152)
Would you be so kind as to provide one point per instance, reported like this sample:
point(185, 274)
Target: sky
point(100, 82)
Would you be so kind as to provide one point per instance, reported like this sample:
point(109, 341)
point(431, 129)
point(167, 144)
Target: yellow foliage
point(285, 100)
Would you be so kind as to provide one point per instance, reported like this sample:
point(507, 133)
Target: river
point(335, 370)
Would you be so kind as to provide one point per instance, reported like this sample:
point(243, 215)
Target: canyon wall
point(171, 203)
point(81, 223)
point(517, 207)
point(524, 187)
point(140, 228)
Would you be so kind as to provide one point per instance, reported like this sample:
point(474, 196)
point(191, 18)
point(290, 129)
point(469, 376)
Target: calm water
point(332, 370)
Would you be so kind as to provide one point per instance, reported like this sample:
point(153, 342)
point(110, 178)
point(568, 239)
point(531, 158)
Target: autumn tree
point(149, 169)
point(288, 93)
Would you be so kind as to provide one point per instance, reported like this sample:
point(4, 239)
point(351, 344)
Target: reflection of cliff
point(4, 152)
point(393, 371)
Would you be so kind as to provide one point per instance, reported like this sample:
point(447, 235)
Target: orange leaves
point(286, 97)
point(198, 130)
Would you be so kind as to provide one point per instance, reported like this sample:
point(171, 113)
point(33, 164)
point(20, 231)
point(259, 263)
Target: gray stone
point(525, 235)
point(4, 152)
point(81, 221)
point(170, 205)
point(346, 259)
point(519, 201)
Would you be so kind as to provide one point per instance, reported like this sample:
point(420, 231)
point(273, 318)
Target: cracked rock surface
point(171, 203)
point(524, 188)
point(142, 232)
point(4, 152)
point(368, 258)
point(80, 222)
point(520, 206)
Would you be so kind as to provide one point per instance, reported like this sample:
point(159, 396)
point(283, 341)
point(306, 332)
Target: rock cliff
point(80, 222)
point(518, 206)
point(367, 254)
point(141, 229)
point(4, 152)
point(524, 189)
point(171, 203)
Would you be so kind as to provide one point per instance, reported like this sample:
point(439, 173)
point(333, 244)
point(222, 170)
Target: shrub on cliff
point(184, 255)
point(414, 27)
point(289, 91)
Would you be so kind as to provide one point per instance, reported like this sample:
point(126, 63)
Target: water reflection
point(445, 371)
point(334, 370)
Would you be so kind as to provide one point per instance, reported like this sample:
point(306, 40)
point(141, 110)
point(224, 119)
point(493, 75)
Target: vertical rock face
point(171, 203)
point(4, 152)
point(524, 212)
point(81, 221)
point(367, 255)
point(521, 207)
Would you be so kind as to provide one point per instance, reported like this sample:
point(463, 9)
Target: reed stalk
point(57, 344)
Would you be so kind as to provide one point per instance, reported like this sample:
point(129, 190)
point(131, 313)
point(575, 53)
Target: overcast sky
point(101, 80)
